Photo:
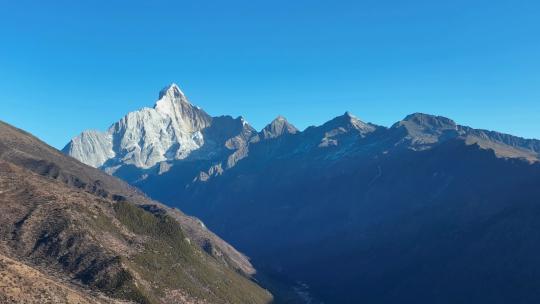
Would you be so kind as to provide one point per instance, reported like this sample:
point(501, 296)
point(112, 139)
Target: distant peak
point(348, 121)
point(280, 120)
point(172, 91)
point(279, 126)
point(422, 130)
point(346, 118)
point(430, 121)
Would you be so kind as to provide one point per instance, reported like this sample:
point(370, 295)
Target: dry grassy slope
point(20, 283)
point(105, 243)
point(502, 150)
point(21, 148)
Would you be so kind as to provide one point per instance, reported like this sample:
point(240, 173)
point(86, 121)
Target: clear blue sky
point(67, 66)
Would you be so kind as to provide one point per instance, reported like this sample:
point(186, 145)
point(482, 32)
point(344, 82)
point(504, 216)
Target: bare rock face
point(92, 147)
point(423, 131)
point(160, 137)
point(168, 131)
point(277, 128)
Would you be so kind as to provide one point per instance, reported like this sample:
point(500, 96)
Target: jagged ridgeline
point(177, 135)
point(72, 234)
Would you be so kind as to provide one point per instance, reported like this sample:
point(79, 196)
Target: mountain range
point(424, 210)
point(175, 131)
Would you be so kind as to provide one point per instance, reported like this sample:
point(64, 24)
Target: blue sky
point(66, 66)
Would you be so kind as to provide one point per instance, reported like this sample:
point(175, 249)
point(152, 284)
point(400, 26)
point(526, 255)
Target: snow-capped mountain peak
point(171, 130)
point(171, 100)
point(172, 90)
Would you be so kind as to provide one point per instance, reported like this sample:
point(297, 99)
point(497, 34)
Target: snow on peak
point(243, 120)
point(169, 131)
point(172, 91)
point(171, 99)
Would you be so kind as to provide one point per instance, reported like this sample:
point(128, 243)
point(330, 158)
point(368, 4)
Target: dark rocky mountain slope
point(401, 214)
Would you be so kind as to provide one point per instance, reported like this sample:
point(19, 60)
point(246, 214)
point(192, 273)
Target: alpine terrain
point(345, 212)
point(70, 233)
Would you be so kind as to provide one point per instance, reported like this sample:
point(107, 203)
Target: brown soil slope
point(86, 237)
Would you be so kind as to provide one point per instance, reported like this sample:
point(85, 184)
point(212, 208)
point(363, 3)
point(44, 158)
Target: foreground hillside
point(76, 235)
point(24, 284)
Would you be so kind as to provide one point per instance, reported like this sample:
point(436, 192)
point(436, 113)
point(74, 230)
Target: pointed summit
point(172, 91)
point(346, 118)
point(170, 99)
point(173, 103)
point(171, 130)
point(348, 121)
point(278, 127)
